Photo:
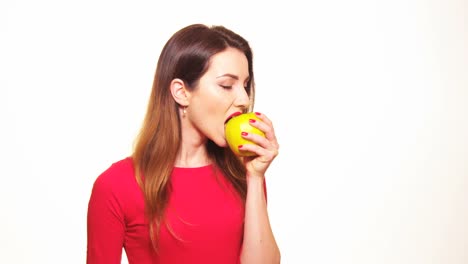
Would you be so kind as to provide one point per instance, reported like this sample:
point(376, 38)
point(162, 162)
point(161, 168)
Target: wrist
point(254, 178)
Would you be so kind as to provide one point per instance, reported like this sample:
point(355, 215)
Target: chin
point(220, 142)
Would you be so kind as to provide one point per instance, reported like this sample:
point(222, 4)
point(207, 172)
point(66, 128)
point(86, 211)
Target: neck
point(192, 157)
point(192, 152)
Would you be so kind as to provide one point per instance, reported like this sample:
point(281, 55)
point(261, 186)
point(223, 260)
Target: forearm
point(259, 245)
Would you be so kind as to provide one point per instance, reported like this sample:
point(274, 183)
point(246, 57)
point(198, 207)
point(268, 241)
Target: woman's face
point(221, 93)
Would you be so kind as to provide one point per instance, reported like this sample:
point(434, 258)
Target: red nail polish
point(252, 120)
point(258, 113)
point(240, 146)
point(244, 133)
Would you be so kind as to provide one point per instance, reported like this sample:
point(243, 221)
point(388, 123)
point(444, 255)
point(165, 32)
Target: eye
point(226, 86)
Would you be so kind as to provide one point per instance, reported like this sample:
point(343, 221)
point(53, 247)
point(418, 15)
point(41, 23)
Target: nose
point(242, 99)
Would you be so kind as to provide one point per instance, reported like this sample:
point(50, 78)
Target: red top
point(204, 212)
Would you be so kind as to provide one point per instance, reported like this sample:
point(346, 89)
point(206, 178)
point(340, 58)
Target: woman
point(183, 196)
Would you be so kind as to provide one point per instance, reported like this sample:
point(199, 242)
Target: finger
point(257, 139)
point(267, 128)
point(265, 155)
point(262, 142)
point(264, 118)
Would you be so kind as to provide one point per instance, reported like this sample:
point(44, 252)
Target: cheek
point(208, 117)
point(210, 109)
point(214, 106)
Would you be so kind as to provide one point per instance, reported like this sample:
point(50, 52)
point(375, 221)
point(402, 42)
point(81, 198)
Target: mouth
point(231, 116)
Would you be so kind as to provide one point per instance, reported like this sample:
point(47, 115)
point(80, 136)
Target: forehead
point(229, 61)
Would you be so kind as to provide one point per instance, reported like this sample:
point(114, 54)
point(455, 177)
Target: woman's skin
point(220, 93)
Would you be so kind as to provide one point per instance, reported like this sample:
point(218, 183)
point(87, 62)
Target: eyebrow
point(232, 76)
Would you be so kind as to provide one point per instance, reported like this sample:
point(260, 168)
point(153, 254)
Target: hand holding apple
point(233, 131)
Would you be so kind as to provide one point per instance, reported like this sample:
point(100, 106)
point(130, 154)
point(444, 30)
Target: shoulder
point(109, 201)
point(118, 175)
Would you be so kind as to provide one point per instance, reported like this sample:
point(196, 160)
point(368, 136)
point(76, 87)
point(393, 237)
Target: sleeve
point(105, 224)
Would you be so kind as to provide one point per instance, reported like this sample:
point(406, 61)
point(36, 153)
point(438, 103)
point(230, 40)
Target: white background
point(369, 101)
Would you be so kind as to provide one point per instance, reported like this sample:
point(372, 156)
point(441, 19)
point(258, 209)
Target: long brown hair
point(186, 56)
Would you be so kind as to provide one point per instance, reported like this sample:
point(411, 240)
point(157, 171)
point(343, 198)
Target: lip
point(231, 116)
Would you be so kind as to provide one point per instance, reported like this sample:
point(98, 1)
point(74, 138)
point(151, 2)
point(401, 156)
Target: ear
point(179, 92)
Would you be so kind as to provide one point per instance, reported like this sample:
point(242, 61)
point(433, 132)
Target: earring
point(184, 111)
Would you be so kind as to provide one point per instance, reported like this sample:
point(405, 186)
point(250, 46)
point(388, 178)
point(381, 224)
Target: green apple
point(235, 126)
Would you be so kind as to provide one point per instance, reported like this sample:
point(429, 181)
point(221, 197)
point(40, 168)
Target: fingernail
point(240, 146)
point(252, 120)
point(244, 133)
point(258, 113)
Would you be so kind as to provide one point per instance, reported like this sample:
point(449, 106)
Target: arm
point(105, 226)
point(259, 245)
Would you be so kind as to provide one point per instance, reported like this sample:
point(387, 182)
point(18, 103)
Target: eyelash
point(230, 87)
